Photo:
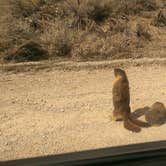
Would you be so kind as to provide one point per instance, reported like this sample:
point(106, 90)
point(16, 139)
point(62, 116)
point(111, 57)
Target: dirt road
point(62, 111)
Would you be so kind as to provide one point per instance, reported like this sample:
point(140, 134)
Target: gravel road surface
point(52, 112)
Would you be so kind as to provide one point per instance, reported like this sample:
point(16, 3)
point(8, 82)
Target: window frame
point(146, 154)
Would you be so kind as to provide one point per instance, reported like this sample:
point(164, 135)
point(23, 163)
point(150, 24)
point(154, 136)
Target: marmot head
point(158, 106)
point(119, 72)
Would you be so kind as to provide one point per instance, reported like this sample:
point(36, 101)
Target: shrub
point(148, 5)
point(30, 51)
point(92, 47)
point(143, 31)
point(62, 46)
point(133, 6)
point(99, 10)
point(160, 20)
point(25, 8)
point(37, 13)
point(78, 9)
point(86, 12)
point(95, 47)
point(123, 45)
point(118, 25)
point(14, 32)
point(57, 39)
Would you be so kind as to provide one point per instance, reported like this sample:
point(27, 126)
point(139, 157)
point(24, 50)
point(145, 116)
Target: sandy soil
point(62, 111)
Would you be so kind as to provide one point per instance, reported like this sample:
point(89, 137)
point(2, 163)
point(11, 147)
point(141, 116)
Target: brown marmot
point(156, 115)
point(121, 102)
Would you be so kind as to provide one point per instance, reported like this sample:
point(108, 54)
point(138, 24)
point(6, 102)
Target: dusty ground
point(62, 111)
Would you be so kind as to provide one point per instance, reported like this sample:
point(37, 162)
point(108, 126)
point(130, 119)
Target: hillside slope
point(88, 30)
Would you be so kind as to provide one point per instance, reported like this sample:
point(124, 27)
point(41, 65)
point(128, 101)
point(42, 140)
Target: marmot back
point(156, 115)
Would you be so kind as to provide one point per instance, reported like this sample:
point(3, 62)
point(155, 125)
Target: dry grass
point(133, 7)
point(160, 20)
point(14, 34)
point(85, 13)
point(25, 8)
point(80, 29)
point(97, 47)
point(30, 51)
point(57, 39)
point(143, 31)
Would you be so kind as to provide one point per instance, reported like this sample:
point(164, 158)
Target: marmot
point(121, 102)
point(156, 115)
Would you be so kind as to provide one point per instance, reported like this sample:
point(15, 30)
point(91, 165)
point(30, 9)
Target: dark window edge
point(151, 153)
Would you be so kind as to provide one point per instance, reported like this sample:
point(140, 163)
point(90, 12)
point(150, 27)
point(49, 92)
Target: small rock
point(62, 110)
point(13, 102)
